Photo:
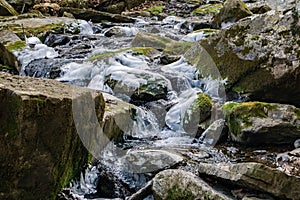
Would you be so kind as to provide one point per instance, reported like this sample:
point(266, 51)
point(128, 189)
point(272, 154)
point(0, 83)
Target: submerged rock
point(40, 150)
point(255, 176)
point(232, 11)
point(259, 57)
point(178, 184)
point(256, 123)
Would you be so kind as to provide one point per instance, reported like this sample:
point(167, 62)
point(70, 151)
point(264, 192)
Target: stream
point(159, 123)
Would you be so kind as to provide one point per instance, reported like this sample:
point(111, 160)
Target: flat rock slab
point(256, 176)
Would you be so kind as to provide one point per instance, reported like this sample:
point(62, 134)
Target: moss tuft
point(207, 9)
point(16, 46)
point(156, 10)
point(238, 114)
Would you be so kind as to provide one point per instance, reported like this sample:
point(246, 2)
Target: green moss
point(155, 10)
point(16, 46)
point(141, 50)
point(207, 9)
point(176, 193)
point(238, 114)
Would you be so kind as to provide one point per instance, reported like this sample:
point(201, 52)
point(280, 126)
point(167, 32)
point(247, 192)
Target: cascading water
point(158, 122)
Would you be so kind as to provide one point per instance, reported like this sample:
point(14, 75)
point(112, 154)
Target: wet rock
point(178, 184)
point(256, 123)
point(232, 11)
point(45, 68)
point(36, 26)
point(53, 40)
point(198, 112)
point(9, 44)
point(255, 176)
point(149, 160)
point(40, 150)
point(214, 134)
point(118, 117)
point(120, 31)
point(97, 16)
point(6, 9)
point(140, 85)
point(151, 40)
point(259, 61)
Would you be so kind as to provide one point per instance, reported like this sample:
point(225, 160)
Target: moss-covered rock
point(259, 59)
point(198, 112)
point(175, 184)
point(40, 150)
point(256, 123)
point(9, 43)
point(232, 11)
point(6, 9)
point(207, 9)
point(151, 40)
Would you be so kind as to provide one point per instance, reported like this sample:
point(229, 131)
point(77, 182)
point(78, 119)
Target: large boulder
point(6, 9)
point(232, 11)
point(259, 57)
point(175, 184)
point(255, 176)
point(40, 150)
point(256, 123)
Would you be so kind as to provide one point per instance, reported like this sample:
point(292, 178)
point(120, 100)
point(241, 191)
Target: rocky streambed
point(199, 100)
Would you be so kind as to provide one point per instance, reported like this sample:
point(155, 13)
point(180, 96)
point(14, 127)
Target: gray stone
point(255, 176)
point(256, 123)
point(232, 11)
point(175, 184)
point(258, 57)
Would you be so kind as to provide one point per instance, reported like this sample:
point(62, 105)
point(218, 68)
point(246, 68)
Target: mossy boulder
point(257, 123)
point(35, 25)
point(232, 11)
point(260, 60)
point(173, 184)
point(198, 112)
point(9, 44)
point(151, 40)
point(254, 176)
point(40, 150)
point(177, 48)
point(6, 9)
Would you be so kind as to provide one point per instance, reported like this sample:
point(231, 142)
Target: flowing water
point(159, 121)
